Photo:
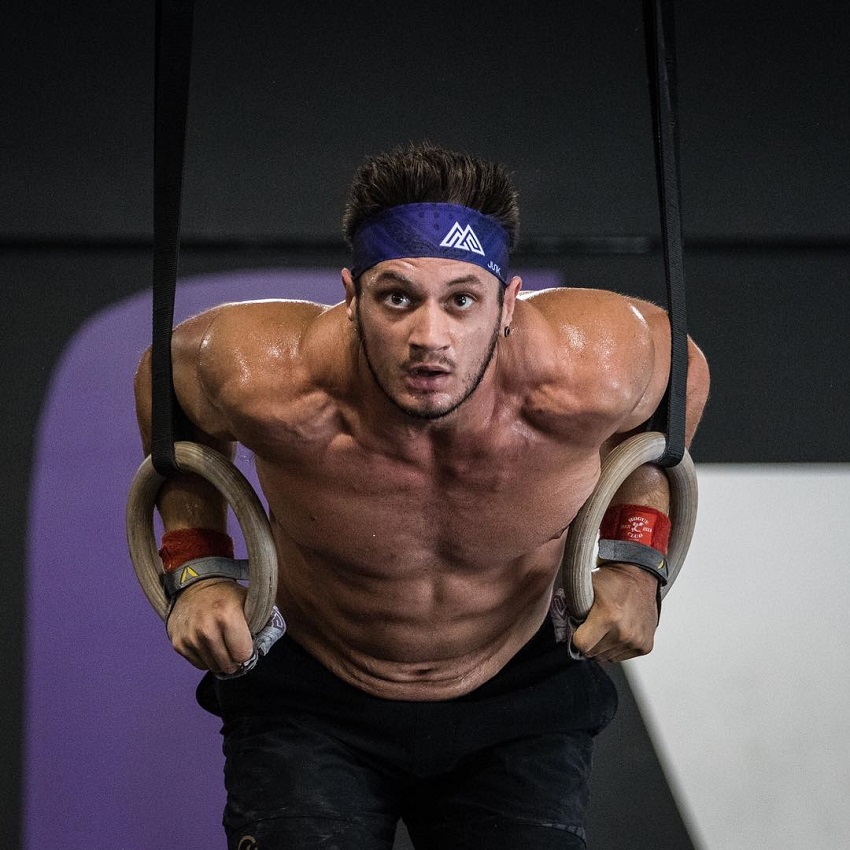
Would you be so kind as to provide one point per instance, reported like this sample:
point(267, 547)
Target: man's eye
point(463, 301)
point(397, 299)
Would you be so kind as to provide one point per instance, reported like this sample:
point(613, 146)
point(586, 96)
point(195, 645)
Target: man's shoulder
point(254, 342)
point(276, 327)
point(593, 326)
point(591, 353)
point(578, 306)
point(273, 317)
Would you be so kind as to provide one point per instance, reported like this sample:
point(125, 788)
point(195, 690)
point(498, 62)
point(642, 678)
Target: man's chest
point(500, 499)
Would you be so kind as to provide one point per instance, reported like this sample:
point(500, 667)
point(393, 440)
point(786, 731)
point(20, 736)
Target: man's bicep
point(657, 372)
point(200, 367)
point(184, 501)
point(208, 424)
point(699, 384)
point(142, 392)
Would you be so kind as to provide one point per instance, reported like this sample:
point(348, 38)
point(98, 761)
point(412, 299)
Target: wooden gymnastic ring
point(246, 505)
point(580, 552)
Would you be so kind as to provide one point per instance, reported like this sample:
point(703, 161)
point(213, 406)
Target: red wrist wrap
point(186, 544)
point(637, 524)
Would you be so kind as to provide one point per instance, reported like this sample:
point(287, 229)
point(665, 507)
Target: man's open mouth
point(427, 378)
point(427, 371)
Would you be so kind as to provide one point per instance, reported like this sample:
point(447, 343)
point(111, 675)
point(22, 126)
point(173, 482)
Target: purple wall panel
point(117, 753)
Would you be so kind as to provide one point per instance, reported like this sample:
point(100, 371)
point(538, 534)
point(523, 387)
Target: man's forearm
point(647, 486)
point(187, 501)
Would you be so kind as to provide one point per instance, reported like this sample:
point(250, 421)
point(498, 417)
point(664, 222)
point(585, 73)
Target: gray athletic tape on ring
point(270, 634)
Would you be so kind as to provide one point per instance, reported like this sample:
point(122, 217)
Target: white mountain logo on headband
point(462, 237)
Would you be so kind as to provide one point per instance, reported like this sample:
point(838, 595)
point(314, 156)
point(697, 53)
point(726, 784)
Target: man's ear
point(350, 293)
point(509, 302)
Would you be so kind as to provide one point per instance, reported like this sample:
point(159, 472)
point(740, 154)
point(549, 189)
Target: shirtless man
point(423, 447)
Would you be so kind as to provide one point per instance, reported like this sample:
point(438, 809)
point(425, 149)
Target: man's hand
point(207, 626)
point(622, 622)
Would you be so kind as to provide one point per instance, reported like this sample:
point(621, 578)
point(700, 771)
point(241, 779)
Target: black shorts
point(312, 762)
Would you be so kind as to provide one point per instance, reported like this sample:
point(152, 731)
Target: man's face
point(429, 329)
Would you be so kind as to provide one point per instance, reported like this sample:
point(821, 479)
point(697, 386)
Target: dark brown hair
point(427, 173)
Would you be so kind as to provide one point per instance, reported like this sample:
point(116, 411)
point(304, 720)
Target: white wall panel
point(747, 693)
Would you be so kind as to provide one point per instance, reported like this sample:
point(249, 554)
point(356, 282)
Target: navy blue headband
point(450, 231)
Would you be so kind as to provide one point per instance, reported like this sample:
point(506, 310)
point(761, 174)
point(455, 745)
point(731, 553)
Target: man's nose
point(429, 328)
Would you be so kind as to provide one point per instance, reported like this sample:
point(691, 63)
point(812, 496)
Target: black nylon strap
point(661, 59)
point(173, 61)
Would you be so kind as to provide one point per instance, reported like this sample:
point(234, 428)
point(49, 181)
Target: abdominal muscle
point(418, 628)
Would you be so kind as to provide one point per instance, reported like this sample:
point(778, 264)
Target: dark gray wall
point(286, 100)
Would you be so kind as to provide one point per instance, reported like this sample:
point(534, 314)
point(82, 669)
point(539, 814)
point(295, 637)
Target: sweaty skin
point(421, 469)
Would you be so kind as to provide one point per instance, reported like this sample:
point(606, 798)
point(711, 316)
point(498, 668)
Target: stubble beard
point(439, 413)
